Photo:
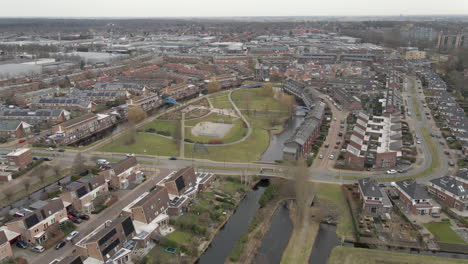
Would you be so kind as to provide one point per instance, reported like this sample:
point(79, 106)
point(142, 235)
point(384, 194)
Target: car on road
point(38, 249)
point(441, 142)
point(428, 117)
point(418, 142)
point(22, 141)
point(446, 152)
point(334, 119)
point(61, 150)
point(130, 155)
point(402, 171)
point(21, 244)
point(172, 158)
point(60, 245)
point(50, 149)
point(35, 158)
point(72, 235)
point(102, 162)
point(337, 146)
point(48, 159)
point(327, 145)
point(331, 156)
point(321, 156)
point(340, 134)
point(392, 171)
point(451, 163)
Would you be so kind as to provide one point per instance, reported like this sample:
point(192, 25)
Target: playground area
point(211, 129)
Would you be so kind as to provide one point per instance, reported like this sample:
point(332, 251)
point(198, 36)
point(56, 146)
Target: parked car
point(451, 163)
point(337, 146)
point(22, 141)
point(130, 155)
point(70, 217)
point(447, 153)
point(84, 173)
point(35, 158)
point(102, 162)
point(74, 213)
point(321, 156)
point(327, 145)
point(172, 158)
point(77, 220)
point(21, 244)
point(340, 134)
point(331, 156)
point(38, 249)
point(418, 142)
point(48, 159)
point(72, 235)
point(402, 171)
point(84, 217)
point(61, 150)
point(60, 245)
point(392, 171)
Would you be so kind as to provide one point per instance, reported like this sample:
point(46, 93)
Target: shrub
point(151, 130)
point(268, 194)
point(164, 133)
point(188, 140)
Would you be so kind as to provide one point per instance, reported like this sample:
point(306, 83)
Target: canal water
point(276, 239)
point(275, 148)
point(238, 223)
point(325, 241)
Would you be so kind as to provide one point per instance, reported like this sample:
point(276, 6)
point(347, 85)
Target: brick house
point(149, 211)
point(5, 247)
point(450, 191)
point(12, 129)
point(82, 193)
point(374, 199)
point(414, 199)
point(111, 242)
point(35, 225)
point(121, 174)
point(35, 116)
point(181, 182)
point(67, 103)
point(20, 158)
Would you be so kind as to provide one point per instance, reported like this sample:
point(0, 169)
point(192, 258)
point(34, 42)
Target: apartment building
point(451, 191)
point(82, 193)
point(133, 88)
point(37, 223)
point(20, 158)
point(35, 116)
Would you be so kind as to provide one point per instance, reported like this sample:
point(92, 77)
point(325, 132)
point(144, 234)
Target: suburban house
point(123, 173)
point(24, 99)
point(20, 158)
point(414, 199)
point(42, 217)
point(110, 242)
point(348, 101)
point(13, 129)
point(374, 199)
point(450, 191)
point(149, 211)
point(83, 192)
point(5, 247)
point(133, 88)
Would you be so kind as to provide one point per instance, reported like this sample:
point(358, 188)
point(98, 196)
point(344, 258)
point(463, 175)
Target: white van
point(102, 162)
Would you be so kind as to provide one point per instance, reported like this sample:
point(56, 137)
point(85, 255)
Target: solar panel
point(180, 183)
point(31, 220)
point(110, 247)
point(81, 191)
point(128, 226)
point(107, 237)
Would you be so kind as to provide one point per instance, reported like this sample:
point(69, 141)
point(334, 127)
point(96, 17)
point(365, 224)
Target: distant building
point(35, 116)
point(20, 158)
point(13, 129)
point(67, 103)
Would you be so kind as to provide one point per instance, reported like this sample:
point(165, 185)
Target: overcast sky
point(195, 8)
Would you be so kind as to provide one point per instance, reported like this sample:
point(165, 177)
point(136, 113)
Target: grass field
point(220, 100)
point(349, 255)
point(180, 237)
point(334, 194)
point(256, 100)
point(153, 144)
point(162, 125)
point(444, 233)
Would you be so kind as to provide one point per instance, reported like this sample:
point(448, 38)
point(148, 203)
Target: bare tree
point(135, 114)
point(267, 90)
point(288, 102)
point(177, 136)
point(78, 164)
point(8, 193)
point(302, 189)
point(27, 185)
point(213, 85)
point(41, 173)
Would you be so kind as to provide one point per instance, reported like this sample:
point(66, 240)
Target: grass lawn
point(300, 244)
point(220, 100)
point(257, 100)
point(158, 255)
point(162, 125)
point(350, 255)
point(247, 150)
point(153, 144)
point(231, 187)
point(416, 109)
point(333, 194)
point(180, 237)
point(444, 233)
point(237, 132)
